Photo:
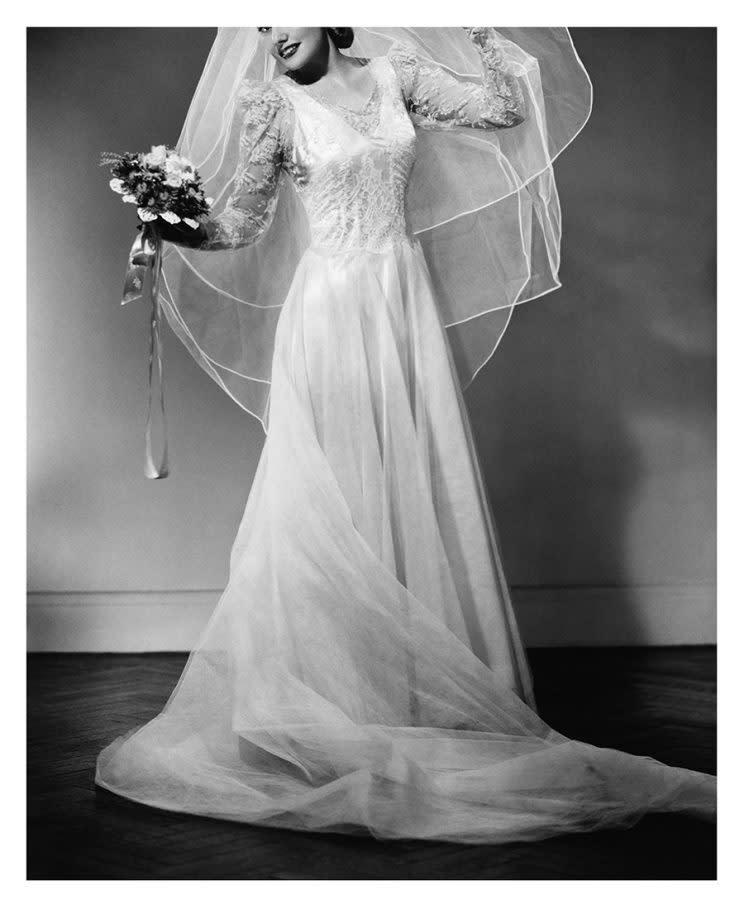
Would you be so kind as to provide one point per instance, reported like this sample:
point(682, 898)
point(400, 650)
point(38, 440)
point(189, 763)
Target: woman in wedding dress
point(363, 670)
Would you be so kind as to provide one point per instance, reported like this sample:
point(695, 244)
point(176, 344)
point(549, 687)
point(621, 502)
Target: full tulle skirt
point(363, 670)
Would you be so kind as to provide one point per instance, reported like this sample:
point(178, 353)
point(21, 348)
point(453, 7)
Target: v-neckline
point(334, 105)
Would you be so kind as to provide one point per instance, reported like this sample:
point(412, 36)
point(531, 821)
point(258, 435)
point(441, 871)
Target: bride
point(379, 215)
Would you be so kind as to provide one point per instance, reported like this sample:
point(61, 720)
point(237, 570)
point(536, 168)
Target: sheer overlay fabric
point(481, 197)
point(363, 670)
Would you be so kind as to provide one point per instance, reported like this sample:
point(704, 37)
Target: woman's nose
point(278, 35)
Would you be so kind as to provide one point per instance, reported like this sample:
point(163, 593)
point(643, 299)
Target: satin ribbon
point(144, 267)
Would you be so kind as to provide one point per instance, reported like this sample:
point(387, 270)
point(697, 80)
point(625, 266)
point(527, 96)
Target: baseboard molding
point(643, 615)
point(135, 622)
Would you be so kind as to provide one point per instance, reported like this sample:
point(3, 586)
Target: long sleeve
point(263, 150)
point(440, 100)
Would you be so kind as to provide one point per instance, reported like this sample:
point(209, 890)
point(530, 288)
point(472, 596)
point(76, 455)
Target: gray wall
point(595, 419)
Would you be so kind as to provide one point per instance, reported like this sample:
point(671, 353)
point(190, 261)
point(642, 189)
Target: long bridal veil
point(483, 204)
point(361, 671)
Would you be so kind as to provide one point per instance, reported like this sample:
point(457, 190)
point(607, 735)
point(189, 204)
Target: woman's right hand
point(178, 233)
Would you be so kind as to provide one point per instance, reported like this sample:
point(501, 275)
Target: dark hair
point(341, 37)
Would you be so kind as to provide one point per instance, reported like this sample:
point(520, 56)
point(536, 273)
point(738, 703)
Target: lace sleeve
point(440, 100)
point(263, 150)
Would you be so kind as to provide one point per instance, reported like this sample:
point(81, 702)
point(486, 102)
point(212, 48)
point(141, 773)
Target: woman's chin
point(294, 62)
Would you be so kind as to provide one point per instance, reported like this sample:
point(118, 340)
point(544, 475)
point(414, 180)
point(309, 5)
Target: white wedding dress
point(363, 669)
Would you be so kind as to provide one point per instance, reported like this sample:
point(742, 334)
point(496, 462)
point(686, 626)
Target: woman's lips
point(288, 51)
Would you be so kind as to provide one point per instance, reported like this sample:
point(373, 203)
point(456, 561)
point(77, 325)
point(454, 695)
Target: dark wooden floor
point(659, 702)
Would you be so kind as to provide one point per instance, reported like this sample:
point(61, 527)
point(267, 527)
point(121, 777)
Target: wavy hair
point(341, 37)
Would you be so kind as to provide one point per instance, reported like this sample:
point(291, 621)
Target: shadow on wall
point(596, 417)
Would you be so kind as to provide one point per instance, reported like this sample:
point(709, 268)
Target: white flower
point(189, 222)
point(170, 217)
point(129, 199)
point(209, 201)
point(174, 180)
point(176, 164)
point(147, 216)
point(157, 155)
point(118, 186)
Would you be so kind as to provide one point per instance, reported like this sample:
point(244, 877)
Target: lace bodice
point(351, 167)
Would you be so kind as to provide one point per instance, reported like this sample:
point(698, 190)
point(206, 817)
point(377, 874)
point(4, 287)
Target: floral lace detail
point(502, 85)
point(351, 167)
point(367, 120)
point(354, 195)
point(439, 100)
point(359, 202)
point(262, 156)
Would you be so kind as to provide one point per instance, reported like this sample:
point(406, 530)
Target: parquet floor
point(659, 702)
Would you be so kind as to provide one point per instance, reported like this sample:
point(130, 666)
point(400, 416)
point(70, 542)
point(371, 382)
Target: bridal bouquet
point(161, 183)
point(167, 186)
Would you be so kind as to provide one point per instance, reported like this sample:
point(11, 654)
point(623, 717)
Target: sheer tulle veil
point(483, 204)
point(363, 670)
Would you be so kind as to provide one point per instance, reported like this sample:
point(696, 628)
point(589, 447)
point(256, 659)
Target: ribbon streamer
point(144, 266)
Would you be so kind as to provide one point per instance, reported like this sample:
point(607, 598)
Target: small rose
point(118, 186)
point(179, 169)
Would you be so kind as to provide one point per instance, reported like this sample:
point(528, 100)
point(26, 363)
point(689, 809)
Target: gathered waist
point(397, 245)
point(321, 270)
